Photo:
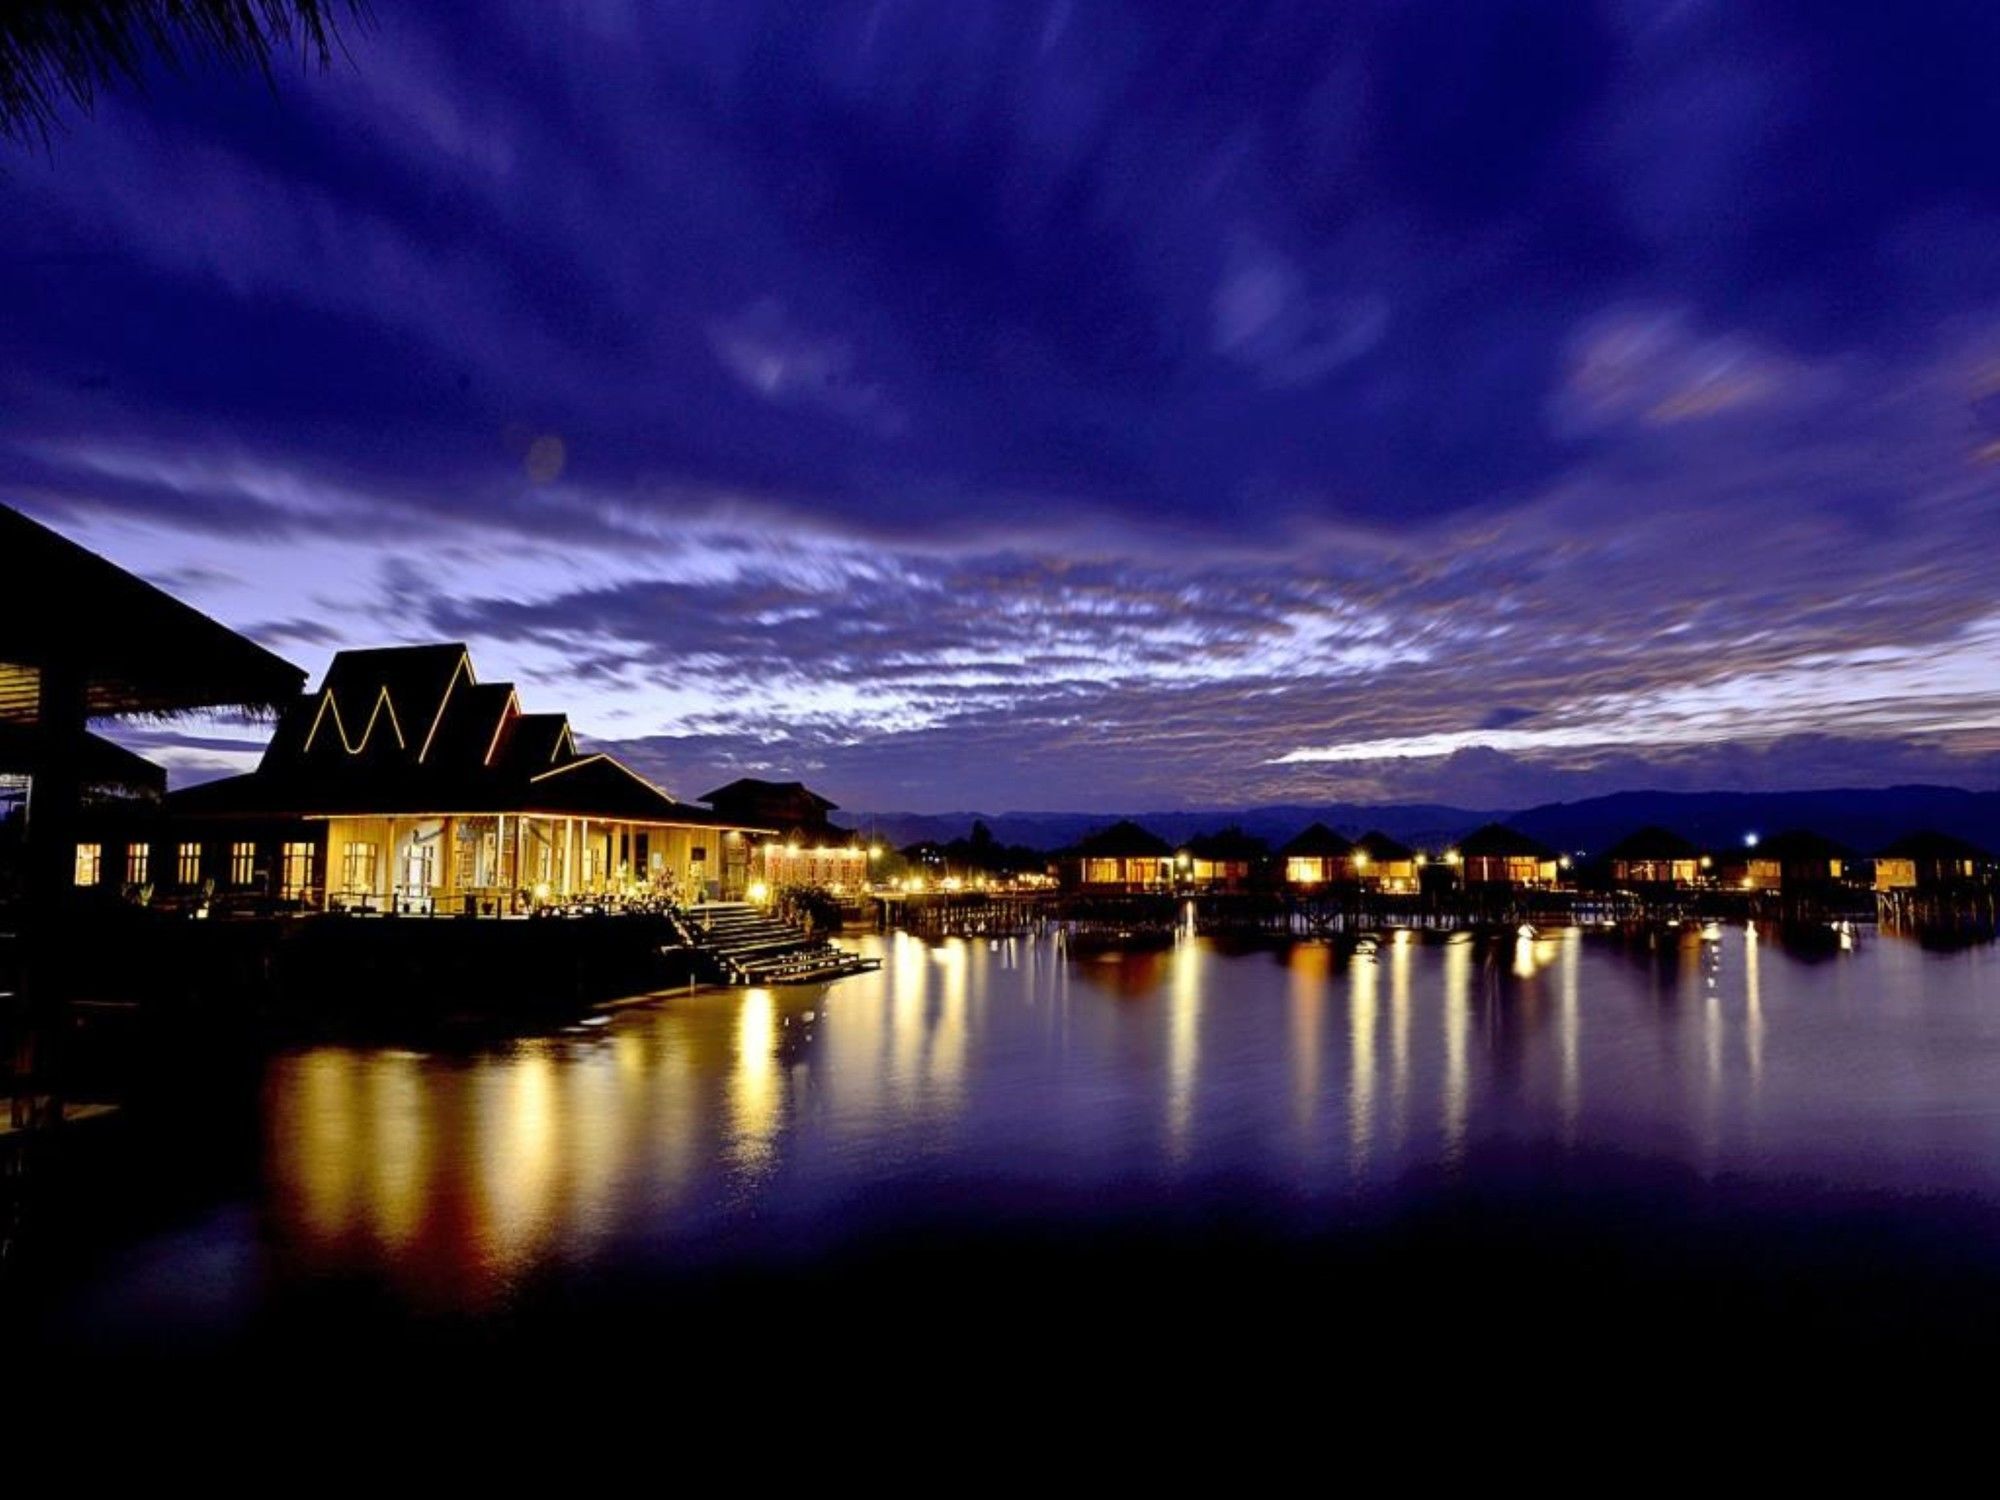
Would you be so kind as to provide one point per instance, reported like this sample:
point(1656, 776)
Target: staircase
point(747, 945)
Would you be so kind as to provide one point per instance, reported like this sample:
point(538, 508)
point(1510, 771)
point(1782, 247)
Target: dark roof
point(1124, 840)
point(101, 763)
point(1497, 840)
point(409, 730)
point(1319, 842)
point(748, 787)
point(1377, 845)
point(1798, 845)
point(138, 649)
point(1652, 842)
point(1928, 843)
point(1227, 844)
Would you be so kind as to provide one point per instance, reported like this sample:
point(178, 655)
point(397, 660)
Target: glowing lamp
point(758, 892)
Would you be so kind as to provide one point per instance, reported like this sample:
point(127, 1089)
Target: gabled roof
point(1124, 840)
point(1498, 841)
point(1928, 843)
point(1380, 847)
point(1798, 845)
point(746, 788)
point(409, 730)
point(138, 649)
point(1652, 842)
point(1231, 844)
point(1318, 842)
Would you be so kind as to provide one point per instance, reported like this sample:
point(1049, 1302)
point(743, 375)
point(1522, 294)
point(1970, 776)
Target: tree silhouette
point(54, 52)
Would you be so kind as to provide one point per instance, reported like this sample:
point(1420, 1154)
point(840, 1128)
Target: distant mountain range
point(1864, 818)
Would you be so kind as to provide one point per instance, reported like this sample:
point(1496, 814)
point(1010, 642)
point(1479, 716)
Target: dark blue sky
point(1071, 404)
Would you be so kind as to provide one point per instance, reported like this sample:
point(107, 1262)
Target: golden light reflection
point(1457, 1025)
point(517, 1146)
point(1362, 978)
point(754, 1091)
point(1569, 1024)
point(1402, 955)
point(1308, 967)
point(1183, 1043)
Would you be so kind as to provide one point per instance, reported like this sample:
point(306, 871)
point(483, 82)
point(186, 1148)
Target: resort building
point(1123, 857)
point(1657, 857)
point(1383, 864)
point(1317, 857)
point(1928, 860)
point(806, 848)
point(406, 784)
point(1497, 855)
point(1788, 861)
point(83, 640)
point(1229, 860)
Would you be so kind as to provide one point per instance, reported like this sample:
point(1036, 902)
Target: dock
point(745, 944)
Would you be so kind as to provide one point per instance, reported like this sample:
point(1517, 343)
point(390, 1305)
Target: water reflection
point(1313, 1063)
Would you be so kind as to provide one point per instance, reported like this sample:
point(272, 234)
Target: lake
point(1690, 1118)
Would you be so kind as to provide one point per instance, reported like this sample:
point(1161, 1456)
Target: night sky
point(1069, 405)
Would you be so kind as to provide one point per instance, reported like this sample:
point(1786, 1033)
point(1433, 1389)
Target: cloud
point(1070, 404)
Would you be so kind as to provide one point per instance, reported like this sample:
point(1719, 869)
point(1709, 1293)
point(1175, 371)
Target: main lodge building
point(406, 784)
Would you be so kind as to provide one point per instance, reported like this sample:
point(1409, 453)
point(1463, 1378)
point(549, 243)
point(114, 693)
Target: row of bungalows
point(405, 784)
point(1126, 857)
point(1798, 858)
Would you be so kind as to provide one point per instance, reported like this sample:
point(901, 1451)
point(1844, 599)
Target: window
point(190, 864)
point(420, 867)
point(242, 863)
point(357, 869)
point(89, 863)
point(1303, 869)
point(296, 870)
point(138, 857)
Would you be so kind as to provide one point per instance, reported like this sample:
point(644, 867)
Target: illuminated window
point(357, 868)
point(1302, 870)
point(1101, 871)
point(89, 863)
point(190, 864)
point(242, 863)
point(137, 858)
point(420, 867)
point(296, 870)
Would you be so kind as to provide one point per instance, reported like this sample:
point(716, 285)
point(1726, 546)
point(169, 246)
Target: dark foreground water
point(1706, 1139)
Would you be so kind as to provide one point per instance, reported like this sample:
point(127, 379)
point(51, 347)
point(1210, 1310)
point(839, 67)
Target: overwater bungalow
point(1928, 860)
point(1123, 857)
point(807, 847)
point(1794, 859)
point(1497, 855)
point(1658, 858)
point(1228, 860)
point(1317, 857)
point(406, 784)
point(1383, 864)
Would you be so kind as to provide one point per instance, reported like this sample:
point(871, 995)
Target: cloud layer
point(1011, 405)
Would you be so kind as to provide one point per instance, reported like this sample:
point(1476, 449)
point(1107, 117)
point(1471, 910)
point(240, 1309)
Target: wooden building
point(1227, 860)
point(1656, 858)
point(1793, 860)
point(1385, 864)
point(1123, 857)
point(406, 784)
point(807, 848)
point(1928, 860)
point(1497, 855)
point(1317, 857)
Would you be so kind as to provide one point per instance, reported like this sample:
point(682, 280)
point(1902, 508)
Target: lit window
point(89, 863)
point(242, 863)
point(357, 868)
point(297, 870)
point(137, 858)
point(190, 864)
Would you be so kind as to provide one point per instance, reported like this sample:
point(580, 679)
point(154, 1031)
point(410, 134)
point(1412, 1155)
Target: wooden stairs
point(744, 944)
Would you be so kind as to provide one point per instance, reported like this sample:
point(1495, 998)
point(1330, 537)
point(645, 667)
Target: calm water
point(1016, 1081)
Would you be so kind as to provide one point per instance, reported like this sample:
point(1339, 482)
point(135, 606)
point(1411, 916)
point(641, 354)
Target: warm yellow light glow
point(874, 851)
point(1360, 858)
point(1451, 856)
point(758, 892)
point(1423, 859)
